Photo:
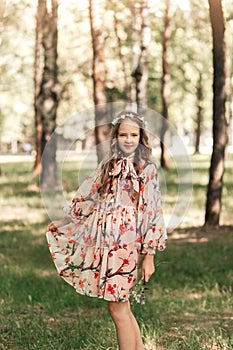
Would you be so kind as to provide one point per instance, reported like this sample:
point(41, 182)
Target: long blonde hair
point(142, 153)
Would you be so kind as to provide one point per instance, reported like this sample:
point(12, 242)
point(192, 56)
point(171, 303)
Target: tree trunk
point(38, 71)
point(135, 30)
point(231, 105)
point(143, 61)
point(122, 59)
point(2, 11)
point(2, 15)
point(199, 115)
point(141, 72)
point(98, 70)
point(214, 192)
point(165, 86)
point(49, 94)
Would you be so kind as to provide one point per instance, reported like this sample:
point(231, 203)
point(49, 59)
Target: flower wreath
point(129, 115)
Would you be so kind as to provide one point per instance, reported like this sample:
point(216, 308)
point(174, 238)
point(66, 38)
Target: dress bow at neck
point(125, 170)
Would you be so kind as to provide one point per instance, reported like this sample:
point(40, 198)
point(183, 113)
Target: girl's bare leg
point(128, 333)
point(121, 315)
point(139, 343)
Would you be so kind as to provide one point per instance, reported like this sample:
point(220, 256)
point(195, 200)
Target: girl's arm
point(86, 197)
point(151, 229)
point(82, 203)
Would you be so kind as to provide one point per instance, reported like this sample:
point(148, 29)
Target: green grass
point(189, 304)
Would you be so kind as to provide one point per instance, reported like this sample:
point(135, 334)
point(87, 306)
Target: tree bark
point(49, 93)
point(135, 30)
point(140, 27)
point(141, 72)
point(2, 11)
point(2, 14)
point(231, 104)
point(38, 71)
point(214, 192)
point(122, 59)
point(98, 70)
point(165, 86)
point(199, 115)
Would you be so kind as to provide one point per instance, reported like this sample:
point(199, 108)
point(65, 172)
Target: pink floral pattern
point(97, 251)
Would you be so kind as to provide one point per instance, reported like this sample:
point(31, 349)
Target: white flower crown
point(129, 115)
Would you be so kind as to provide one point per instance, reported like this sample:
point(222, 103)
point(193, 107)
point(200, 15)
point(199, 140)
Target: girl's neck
point(128, 156)
point(131, 157)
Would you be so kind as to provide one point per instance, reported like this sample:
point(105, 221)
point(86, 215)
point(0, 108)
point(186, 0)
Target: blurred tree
point(38, 71)
point(135, 29)
point(228, 11)
point(189, 54)
point(231, 104)
point(48, 92)
point(2, 11)
point(74, 59)
point(199, 114)
point(214, 193)
point(122, 56)
point(202, 70)
point(141, 29)
point(154, 98)
point(96, 10)
point(16, 73)
point(165, 86)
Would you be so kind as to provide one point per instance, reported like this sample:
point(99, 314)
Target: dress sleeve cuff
point(147, 250)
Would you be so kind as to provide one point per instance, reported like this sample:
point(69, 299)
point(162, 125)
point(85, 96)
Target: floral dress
point(97, 250)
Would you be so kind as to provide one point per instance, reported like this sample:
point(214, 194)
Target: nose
point(128, 138)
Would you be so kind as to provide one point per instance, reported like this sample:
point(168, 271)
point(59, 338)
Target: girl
point(114, 218)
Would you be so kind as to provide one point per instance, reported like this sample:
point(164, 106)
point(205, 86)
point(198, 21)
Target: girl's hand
point(53, 226)
point(148, 267)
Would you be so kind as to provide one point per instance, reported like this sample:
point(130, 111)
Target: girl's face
point(128, 136)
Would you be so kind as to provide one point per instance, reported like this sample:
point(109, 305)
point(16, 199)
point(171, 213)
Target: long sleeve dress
point(97, 250)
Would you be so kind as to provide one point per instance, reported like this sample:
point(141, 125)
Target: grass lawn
point(189, 304)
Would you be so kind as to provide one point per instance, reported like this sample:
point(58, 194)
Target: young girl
point(114, 218)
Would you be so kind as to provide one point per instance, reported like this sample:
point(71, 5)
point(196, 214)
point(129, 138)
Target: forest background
point(189, 58)
point(190, 301)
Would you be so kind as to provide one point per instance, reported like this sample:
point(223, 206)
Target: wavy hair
point(142, 153)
